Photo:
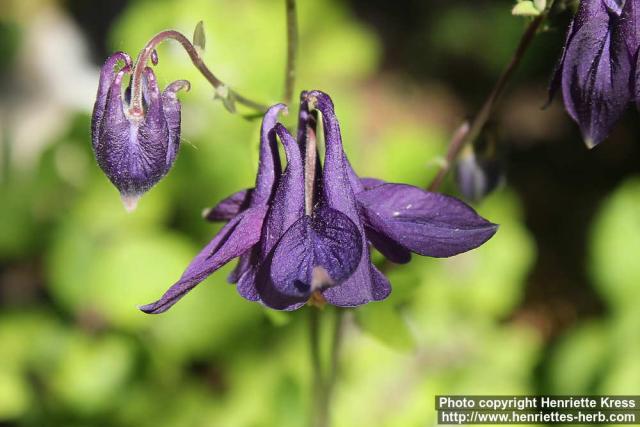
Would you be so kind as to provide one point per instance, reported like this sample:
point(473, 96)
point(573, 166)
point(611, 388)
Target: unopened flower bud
point(135, 140)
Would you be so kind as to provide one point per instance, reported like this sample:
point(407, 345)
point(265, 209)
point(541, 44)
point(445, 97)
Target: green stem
point(292, 50)
point(323, 384)
point(334, 363)
point(317, 384)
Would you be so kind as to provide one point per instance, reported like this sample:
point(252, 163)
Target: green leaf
point(526, 8)
point(199, 38)
point(541, 5)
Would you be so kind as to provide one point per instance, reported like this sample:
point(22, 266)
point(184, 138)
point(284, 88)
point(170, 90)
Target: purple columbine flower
point(597, 71)
point(307, 232)
point(135, 137)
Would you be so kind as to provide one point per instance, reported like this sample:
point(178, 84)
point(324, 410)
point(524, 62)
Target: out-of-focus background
point(549, 305)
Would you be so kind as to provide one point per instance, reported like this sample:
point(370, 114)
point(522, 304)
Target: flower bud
point(477, 176)
point(135, 145)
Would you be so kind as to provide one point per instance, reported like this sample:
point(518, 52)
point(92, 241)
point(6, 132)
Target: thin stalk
point(334, 364)
point(467, 133)
point(460, 140)
point(146, 54)
point(324, 382)
point(292, 50)
point(5, 147)
point(317, 384)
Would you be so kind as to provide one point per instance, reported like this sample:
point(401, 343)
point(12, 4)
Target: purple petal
point(354, 180)
point(387, 247)
point(369, 183)
point(234, 239)
point(150, 148)
point(286, 208)
point(107, 76)
point(316, 253)
point(630, 26)
point(427, 223)
point(338, 194)
point(230, 207)
point(596, 75)
point(366, 277)
point(112, 140)
point(172, 113)
point(381, 286)
point(247, 286)
point(288, 202)
point(588, 10)
point(615, 6)
point(269, 169)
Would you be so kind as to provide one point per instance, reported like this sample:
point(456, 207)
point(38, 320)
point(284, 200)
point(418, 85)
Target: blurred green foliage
point(75, 351)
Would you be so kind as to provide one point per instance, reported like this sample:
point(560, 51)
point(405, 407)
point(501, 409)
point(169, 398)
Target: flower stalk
point(292, 50)
point(461, 139)
point(324, 380)
point(148, 52)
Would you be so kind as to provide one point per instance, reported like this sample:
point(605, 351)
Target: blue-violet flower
point(597, 71)
point(135, 137)
point(291, 250)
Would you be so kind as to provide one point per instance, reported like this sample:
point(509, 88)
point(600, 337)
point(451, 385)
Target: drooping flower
point(479, 167)
point(597, 71)
point(291, 250)
point(135, 137)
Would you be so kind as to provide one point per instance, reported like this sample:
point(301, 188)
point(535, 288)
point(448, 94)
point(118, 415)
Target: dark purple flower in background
point(135, 136)
point(290, 249)
point(597, 72)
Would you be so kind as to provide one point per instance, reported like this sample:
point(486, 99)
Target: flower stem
point(461, 139)
point(334, 362)
point(317, 384)
point(292, 50)
point(316, 364)
point(324, 384)
point(146, 54)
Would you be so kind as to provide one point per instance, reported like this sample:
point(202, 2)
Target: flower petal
point(369, 183)
point(229, 207)
point(338, 193)
point(316, 253)
point(391, 250)
point(107, 75)
point(246, 287)
point(596, 75)
point(172, 113)
point(427, 223)
point(269, 172)
point(630, 26)
point(286, 208)
point(234, 239)
point(365, 285)
point(288, 202)
point(615, 6)
point(269, 168)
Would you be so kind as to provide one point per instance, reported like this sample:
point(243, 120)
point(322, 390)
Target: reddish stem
point(145, 54)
